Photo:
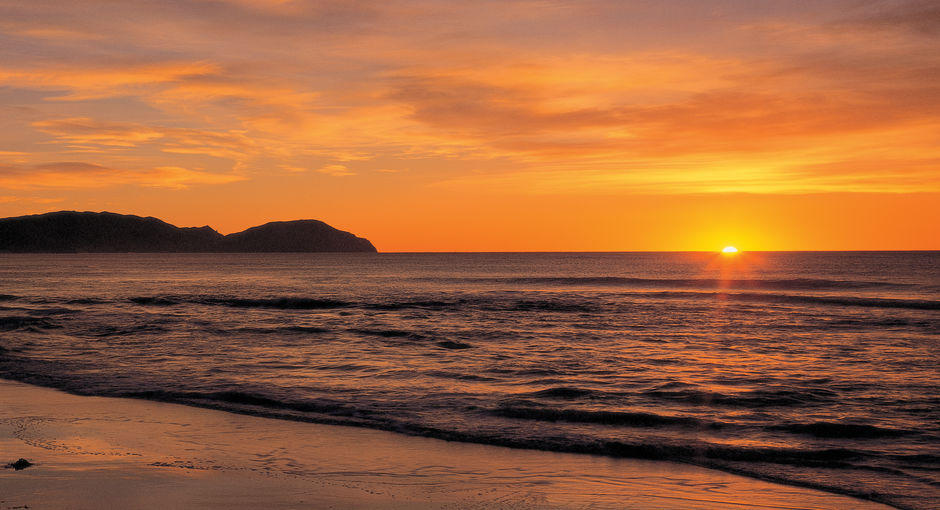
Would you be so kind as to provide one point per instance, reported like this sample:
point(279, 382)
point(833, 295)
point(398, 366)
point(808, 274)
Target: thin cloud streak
point(74, 174)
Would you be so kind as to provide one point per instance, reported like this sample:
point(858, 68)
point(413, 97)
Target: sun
point(729, 250)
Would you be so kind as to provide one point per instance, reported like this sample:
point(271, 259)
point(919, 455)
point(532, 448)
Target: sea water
point(818, 369)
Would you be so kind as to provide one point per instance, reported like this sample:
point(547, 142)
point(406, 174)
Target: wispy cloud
point(86, 132)
point(74, 174)
point(81, 83)
point(8, 199)
point(336, 170)
point(920, 17)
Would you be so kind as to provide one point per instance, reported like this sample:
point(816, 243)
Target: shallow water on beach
point(818, 369)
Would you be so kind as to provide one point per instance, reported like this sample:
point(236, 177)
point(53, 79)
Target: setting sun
point(729, 249)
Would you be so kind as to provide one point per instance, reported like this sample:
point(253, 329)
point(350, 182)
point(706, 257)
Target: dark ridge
point(918, 458)
point(705, 283)
point(21, 322)
point(752, 399)
point(8, 297)
point(864, 302)
point(86, 301)
point(387, 333)
point(154, 301)
point(600, 417)
point(913, 304)
point(431, 305)
point(281, 303)
point(325, 407)
point(284, 303)
point(831, 430)
point(45, 312)
point(104, 232)
point(109, 331)
point(443, 374)
point(284, 329)
point(526, 305)
point(562, 392)
point(450, 344)
point(311, 303)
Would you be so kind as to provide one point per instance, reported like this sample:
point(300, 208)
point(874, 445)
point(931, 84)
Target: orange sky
point(430, 125)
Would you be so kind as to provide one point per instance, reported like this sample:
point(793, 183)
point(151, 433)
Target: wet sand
point(105, 453)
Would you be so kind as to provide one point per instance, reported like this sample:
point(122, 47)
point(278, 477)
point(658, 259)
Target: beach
point(102, 453)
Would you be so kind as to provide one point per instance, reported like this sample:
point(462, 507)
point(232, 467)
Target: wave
point(563, 392)
point(21, 322)
point(275, 330)
point(550, 305)
point(87, 301)
point(695, 283)
point(418, 303)
point(281, 303)
point(316, 303)
point(879, 322)
point(340, 412)
point(785, 397)
point(314, 406)
point(825, 430)
point(450, 344)
point(559, 304)
point(867, 302)
point(388, 333)
point(762, 297)
point(397, 334)
point(445, 374)
point(831, 430)
point(154, 301)
point(117, 331)
point(325, 410)
point(746, 460)
point(622, 418)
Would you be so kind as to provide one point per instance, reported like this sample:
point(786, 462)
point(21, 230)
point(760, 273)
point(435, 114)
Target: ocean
point(810, 368)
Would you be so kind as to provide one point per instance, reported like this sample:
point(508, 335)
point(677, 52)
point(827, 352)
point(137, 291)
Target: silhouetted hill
point(69, 232)
point(299, 235)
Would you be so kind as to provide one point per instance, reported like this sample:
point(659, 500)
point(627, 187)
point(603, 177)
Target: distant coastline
point(105, 232)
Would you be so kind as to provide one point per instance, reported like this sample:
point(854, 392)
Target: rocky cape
point(104, 232)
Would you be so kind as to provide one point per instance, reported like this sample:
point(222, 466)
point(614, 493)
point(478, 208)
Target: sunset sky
point(428, 125)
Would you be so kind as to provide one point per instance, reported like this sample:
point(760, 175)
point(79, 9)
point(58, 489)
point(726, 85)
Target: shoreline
point(104, 452)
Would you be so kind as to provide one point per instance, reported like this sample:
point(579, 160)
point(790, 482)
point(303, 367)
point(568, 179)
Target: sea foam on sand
point(96, 452)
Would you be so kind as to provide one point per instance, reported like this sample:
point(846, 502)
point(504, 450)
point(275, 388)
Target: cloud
point(734, 119)
point(783, 175)
point(59, 34)
point(335, 170)
point(921, 17)
point(82, 83)
point(83, 132)
point(75, 174)
point(10, 199)
point(199, 89)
